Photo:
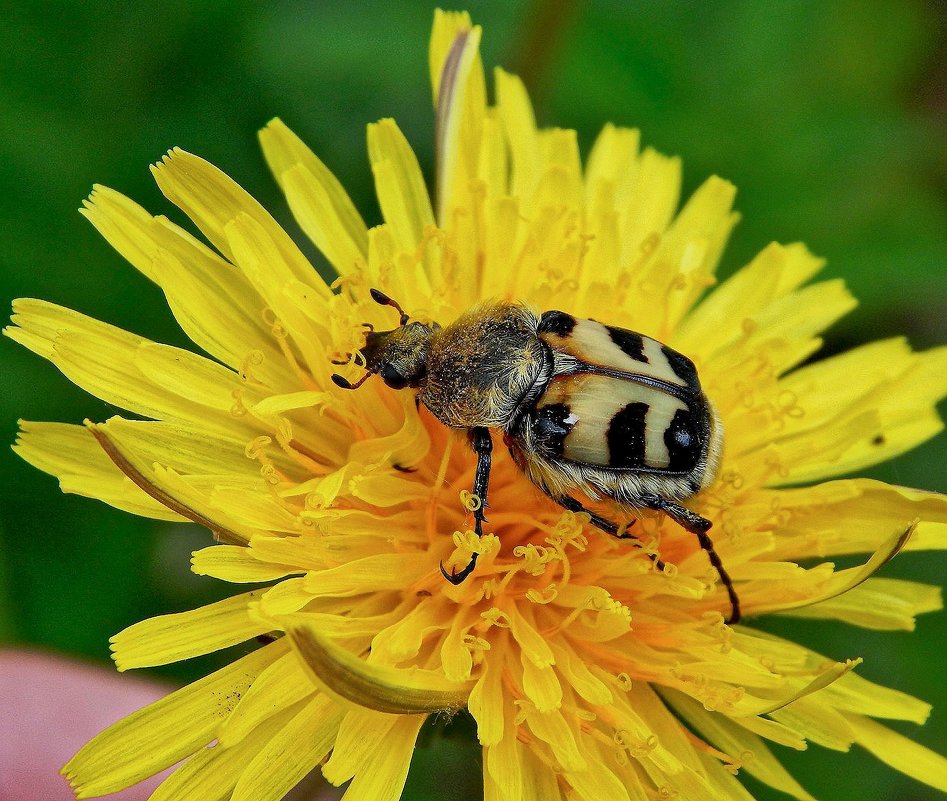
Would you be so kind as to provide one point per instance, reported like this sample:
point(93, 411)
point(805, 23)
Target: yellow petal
point(382, 571)
point(318, 201)
point(503, 764)
point(597, 782)
point(403, 639)
point(396, 691)
point(165, 486)
point(720, 784)
point(212, 200)
point(399, 184)
point(899, 387)
point(127, 370)
point(719, 319)
point(820, 682)
point(653, 199)
point(541, 685)
point(613, 162)
point(573, 669)
point(211, 300)
point(817, 722)
point(212, 772)
point(361, 733)
point(900, 753)
point(854, 516)
point(153, 738)
point(447, 26)
point(798, 317)
point(72, 454)
point(880, 603)
point(538, 781)
point(171, 638)
point(641, 715)
point(688, 253)
point(486, 701)
point(459, 97)
point(237, 564)
point(278, 687)
point(260, 258)
point(300, 744)
point(516, 115)
point(382, 776)
point(552, 729)
point(854, 693)
point(742, 746)
point(844, 580)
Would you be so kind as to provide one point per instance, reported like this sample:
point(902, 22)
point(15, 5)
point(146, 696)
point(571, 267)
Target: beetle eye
point(392, 377)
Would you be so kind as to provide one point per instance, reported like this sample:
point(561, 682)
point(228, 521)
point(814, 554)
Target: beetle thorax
point(482, 366)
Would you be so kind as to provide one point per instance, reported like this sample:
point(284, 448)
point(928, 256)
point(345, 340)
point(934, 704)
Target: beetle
point(583, 407)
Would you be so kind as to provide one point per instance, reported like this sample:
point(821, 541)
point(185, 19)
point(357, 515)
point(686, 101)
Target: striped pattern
point(647, 413)
point(610, 422)
point(617, 349)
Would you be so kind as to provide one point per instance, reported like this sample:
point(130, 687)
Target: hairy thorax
point(482, 366)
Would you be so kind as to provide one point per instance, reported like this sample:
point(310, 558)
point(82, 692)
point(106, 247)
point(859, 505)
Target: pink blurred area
point(49, 707)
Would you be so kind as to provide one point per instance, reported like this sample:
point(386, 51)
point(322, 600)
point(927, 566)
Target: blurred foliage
point(828, 116)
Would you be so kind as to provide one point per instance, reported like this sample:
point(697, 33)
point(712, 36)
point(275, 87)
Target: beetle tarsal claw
point(458, 578)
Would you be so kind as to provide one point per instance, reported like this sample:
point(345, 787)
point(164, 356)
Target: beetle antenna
point(339, 381)
point(383, 300)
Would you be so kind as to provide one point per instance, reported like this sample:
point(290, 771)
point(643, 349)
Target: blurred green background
point(829, 117)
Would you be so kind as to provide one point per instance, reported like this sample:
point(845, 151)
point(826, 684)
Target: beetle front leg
point(482, 443)
point(698, 526)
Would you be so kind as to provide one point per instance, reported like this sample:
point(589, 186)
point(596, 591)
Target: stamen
point(255, 446)
point(473, 503)
point(293, 449)
point(238, 409)
point(496, 617)
point(544, 596)
point(254, 358)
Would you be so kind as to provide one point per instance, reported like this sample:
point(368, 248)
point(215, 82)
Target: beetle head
point(399, 356)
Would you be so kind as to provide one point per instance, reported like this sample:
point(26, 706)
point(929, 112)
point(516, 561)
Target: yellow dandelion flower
point(595, 668)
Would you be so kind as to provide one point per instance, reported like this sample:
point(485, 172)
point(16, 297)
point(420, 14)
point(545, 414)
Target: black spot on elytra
point(631, 344)
point(550, 428)
point(683, 441)
point(556, 322)
point(626, 434)
point(682, 366)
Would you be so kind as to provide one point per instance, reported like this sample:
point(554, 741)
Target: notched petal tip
point(381, 688)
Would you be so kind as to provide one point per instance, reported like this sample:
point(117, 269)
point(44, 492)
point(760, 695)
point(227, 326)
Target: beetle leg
point(697, 525)
point(482, 444)
point(570, 503)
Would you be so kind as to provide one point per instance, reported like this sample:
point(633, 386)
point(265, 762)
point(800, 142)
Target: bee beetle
point(583, 407)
